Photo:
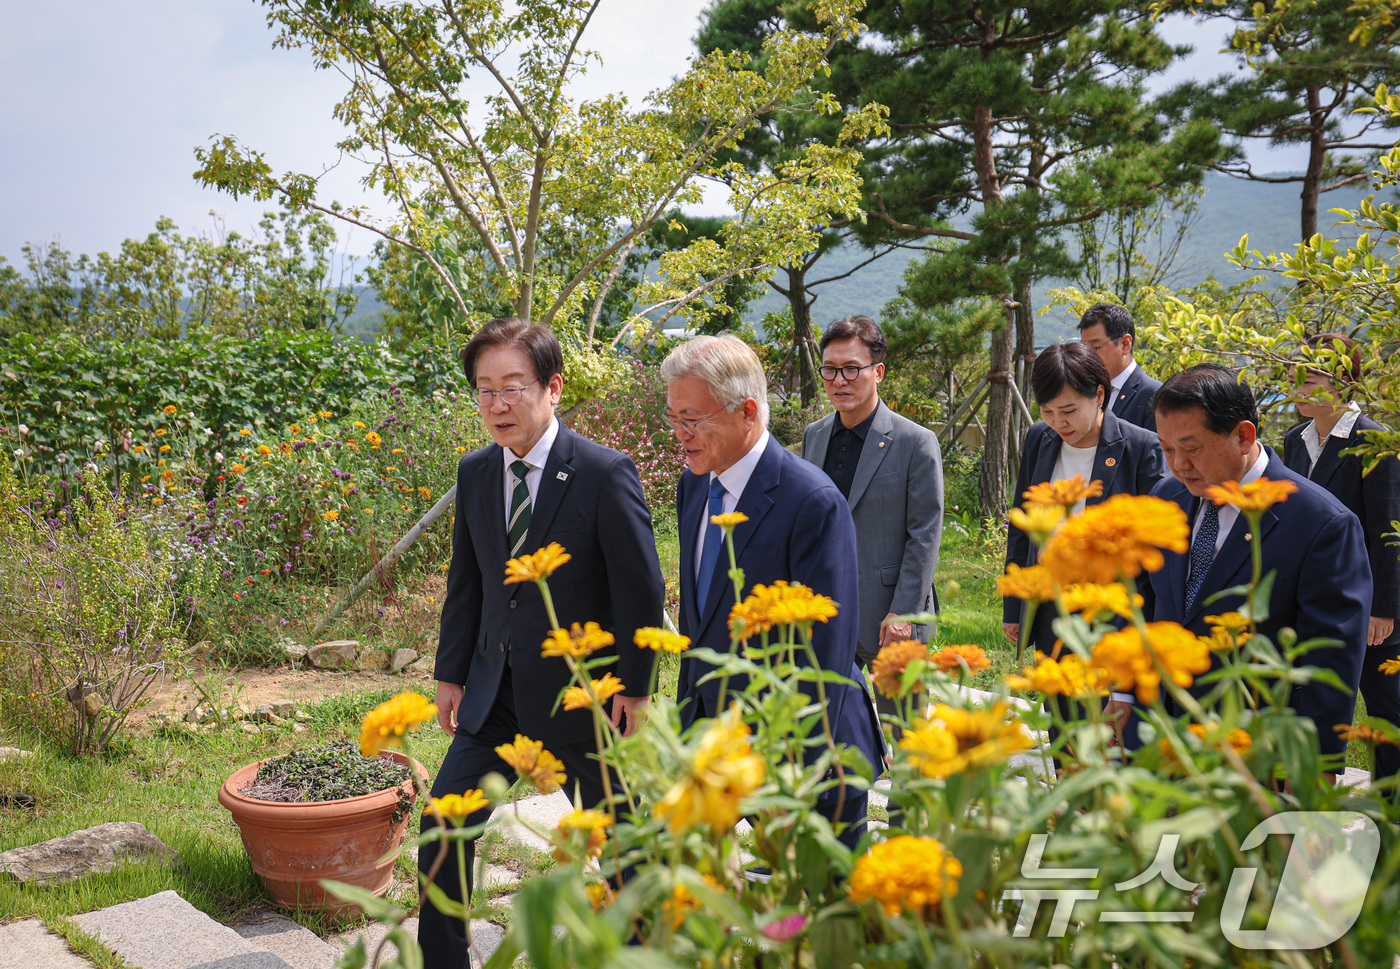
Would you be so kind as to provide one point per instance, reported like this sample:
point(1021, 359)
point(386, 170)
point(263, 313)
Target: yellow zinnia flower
point(1116, 539)
point(373, 438)
point(360, 424)
point(540, 565)
point(331, 515)
point(1369, 736)
point(950, 659)
point(1092, 600)
point(576, 642)
point(285, 448)
point(681, 902)
point(456, 808)
point(164, 448)
point(1067, 676)
point(600, 895)
point(1027, 583)
point(138, 448)
point(567, 845)
point(905, 874)
point(327, 414)
point(729, 520)
point(576, 697)
point(1038, 521)
point(160, 432)
point(956, 740)
point(264, 450)
point(1390, 667)
point(887, 671)
point(1123, 657)
point(244, 432)
point(530, 759)
point(1065, 493)
point(238, 468)
point(386, 724)
point(1237, 740)
point(723, 770)
point(1253, 498)
point(779, 604)
point(653, 638)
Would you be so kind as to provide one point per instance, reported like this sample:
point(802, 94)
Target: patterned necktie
point(714, 538)
point(1202, 553)
point(519, 509)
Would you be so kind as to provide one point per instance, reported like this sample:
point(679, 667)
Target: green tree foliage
point(1305, 68)
point(465, 108)
point(1033, 118)
point(167, 285)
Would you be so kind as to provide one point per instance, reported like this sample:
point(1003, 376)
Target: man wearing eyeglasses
point(539, 482)
point(1110, 331)
point(891, 472)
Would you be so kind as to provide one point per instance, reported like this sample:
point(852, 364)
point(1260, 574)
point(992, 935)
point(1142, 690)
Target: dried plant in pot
point(325, 812)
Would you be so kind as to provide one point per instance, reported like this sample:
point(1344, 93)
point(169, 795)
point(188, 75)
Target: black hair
point(1071, 364)
point(1219, 391)
point(857, 327)
point(537, 342)
point(1115, 319)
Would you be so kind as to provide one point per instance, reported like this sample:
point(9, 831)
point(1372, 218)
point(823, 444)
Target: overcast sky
point(104, 103)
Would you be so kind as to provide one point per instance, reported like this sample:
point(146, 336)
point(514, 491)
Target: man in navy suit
point(1207, 422)
point(1110, 330)
point(799, 529)
point(539, 482)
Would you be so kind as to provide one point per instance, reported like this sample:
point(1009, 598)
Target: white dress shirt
point(535, 458)
point(1116, 384)
point(1228, 513)
point(734, 478)
point(1342, 429)
point(1075, 461)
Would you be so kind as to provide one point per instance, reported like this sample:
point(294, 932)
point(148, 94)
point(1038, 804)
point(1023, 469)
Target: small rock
point(202, 648)
point(402, 658)
point(263, 714)
point(283, 708)
point(6, 753)
point(91, 850)
point(298, 728)
point(92, 704)
point(247, 726)
point(295, 652)
point(372, 660)
point(302, 717)
point(338, 654)
point(423, 664)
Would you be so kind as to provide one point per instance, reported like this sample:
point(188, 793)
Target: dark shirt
point(843, 453)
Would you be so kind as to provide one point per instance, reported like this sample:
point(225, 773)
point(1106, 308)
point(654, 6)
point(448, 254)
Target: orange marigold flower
point(1066, 493)
point(905, 874)
point(1366, 734)
point(1092, 600)
point(1067, 676)
point(161, 432)
point(331, 515)
point(887, 670)
point(577, 642)
point(1125, 660)
point(169, 410)
point(952, 658)
point(373, 438)
point(540, 565)
point(654, 638)
point(1027, 583)
point(138, 448)
point(576, 697)
point(264, 450)
point(1253, 498)
point(530, 759)
point(1118, 538)
point(285, 448)
point(238, 468)
point(566, 841)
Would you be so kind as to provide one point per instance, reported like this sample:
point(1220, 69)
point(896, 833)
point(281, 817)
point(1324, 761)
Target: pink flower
point(784, 929)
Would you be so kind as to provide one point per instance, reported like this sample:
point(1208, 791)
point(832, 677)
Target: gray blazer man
point(891, 472)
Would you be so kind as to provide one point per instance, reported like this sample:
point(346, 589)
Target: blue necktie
point(1202, 553)
point(709, 552)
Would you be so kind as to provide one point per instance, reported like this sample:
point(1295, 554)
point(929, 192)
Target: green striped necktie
point(519, 509)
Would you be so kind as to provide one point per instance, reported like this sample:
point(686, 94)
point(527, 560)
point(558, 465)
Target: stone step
point(486, 937)
point(292, 942)
point(30, 945)
point(163, 931)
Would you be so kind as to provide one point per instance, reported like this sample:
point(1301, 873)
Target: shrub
point(91, 615)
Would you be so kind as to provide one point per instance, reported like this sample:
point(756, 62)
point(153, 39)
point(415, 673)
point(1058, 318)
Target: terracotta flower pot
point(292, 846)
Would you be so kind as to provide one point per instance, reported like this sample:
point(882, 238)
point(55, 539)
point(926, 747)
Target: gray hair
point(728, 366)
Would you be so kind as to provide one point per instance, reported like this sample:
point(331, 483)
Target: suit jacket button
point(513, 603)
point(501, 647)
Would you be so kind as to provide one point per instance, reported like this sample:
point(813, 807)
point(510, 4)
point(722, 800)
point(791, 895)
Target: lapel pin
point(882, 444)
point(562, 476)
point(1249, 536)
point(1109, 462)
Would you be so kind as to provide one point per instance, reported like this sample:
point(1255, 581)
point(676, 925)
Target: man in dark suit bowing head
point(1109, 329)
point(799, 529)
point(1207, 423)
point(538, 483)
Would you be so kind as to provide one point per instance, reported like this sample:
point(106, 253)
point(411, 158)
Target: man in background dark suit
point(799, 529)
point(538, 483)
point(1110, 330)
point(1207, 423)
point(890, 471)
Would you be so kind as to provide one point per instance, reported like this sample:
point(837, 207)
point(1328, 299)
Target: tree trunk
point(1025, 343)
point(995, 469)
point(1317, 154)
point(804, 346)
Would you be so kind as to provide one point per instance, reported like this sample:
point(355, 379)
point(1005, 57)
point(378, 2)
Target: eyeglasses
point(510, 395)
point(850, 373)
point(691, 427)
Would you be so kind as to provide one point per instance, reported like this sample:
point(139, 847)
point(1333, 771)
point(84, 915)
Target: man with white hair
point(799, 528)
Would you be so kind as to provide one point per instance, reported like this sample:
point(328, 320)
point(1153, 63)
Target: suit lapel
point(1330, 459)
point(492, 486)
point(755, 502)
point(692, 506)
point(1174, 570)
point(558, 474)
point(1045, 460)
point(1108, 457)
point(1131, 387)
point(1234, 560)
point(872, 452)
point(821, 437)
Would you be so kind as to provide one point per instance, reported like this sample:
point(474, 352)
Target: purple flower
point(784, 929)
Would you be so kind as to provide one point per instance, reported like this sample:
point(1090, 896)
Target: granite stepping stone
point(163, 931)
point(29, 944)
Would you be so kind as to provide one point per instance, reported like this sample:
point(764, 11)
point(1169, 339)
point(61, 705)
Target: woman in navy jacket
point(1077, 434)
point(1315, 449)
